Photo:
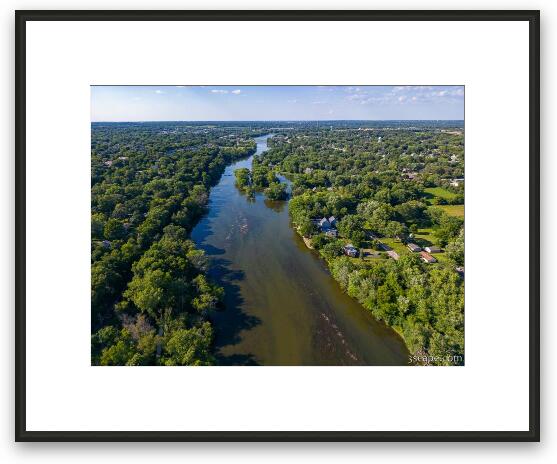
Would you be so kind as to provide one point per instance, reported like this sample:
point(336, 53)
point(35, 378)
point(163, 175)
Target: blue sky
point(236, 103)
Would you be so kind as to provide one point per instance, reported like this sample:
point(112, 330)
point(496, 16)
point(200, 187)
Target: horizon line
point(273, 120)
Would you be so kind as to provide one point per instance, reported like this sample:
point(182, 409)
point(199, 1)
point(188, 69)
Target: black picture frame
point(533, 434)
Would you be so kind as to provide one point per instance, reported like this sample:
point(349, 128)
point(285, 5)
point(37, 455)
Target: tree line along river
point(282, 305)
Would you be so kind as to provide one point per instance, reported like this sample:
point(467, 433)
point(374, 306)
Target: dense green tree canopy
point(150, 297)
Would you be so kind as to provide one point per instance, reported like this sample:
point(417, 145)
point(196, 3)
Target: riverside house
point(427, 257)
point(324, 225)
point(413, 247)
point(351, 250)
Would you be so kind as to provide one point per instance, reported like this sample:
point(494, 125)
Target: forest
point(150, 296)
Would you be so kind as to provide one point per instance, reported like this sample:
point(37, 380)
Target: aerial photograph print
point(263, 225)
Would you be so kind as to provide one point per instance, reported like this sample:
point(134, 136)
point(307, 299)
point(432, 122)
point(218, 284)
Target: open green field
point(452, 210)
point(442, 258)
point(439, 192)
point(425, 237)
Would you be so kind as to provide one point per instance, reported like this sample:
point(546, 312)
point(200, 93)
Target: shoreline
point(396, 328)
point(307, 241)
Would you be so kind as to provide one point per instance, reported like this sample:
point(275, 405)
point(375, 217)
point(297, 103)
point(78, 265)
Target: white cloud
point(318, 102)
point(292, 101)
point(408, 94)
point(357, 96)
point(224, 91)
point(136, 98)
point(407, 88)
point(159, 92)
point(366, 99)
point(180, 86)
point(330, 112)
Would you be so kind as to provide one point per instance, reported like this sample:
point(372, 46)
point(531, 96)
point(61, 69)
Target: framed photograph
point(258, 225)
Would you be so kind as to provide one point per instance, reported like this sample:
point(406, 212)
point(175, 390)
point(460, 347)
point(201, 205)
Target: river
point(282, 305)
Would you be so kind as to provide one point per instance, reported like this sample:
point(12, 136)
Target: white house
point(351, 250)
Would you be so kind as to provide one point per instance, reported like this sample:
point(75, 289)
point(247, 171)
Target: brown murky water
point(282, 305)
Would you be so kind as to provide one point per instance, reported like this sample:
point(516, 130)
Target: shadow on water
point(237, 360)
point(249, 198)
point(211, 250)
point(230, 322)
point(203, 230)
point(276, 206)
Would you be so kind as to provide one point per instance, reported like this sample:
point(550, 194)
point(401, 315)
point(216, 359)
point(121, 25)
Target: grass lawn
point(399, 247)
point(438, 192)
point(441, 257)
point(425, 237)
point(452, 210)
point(370, 254)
